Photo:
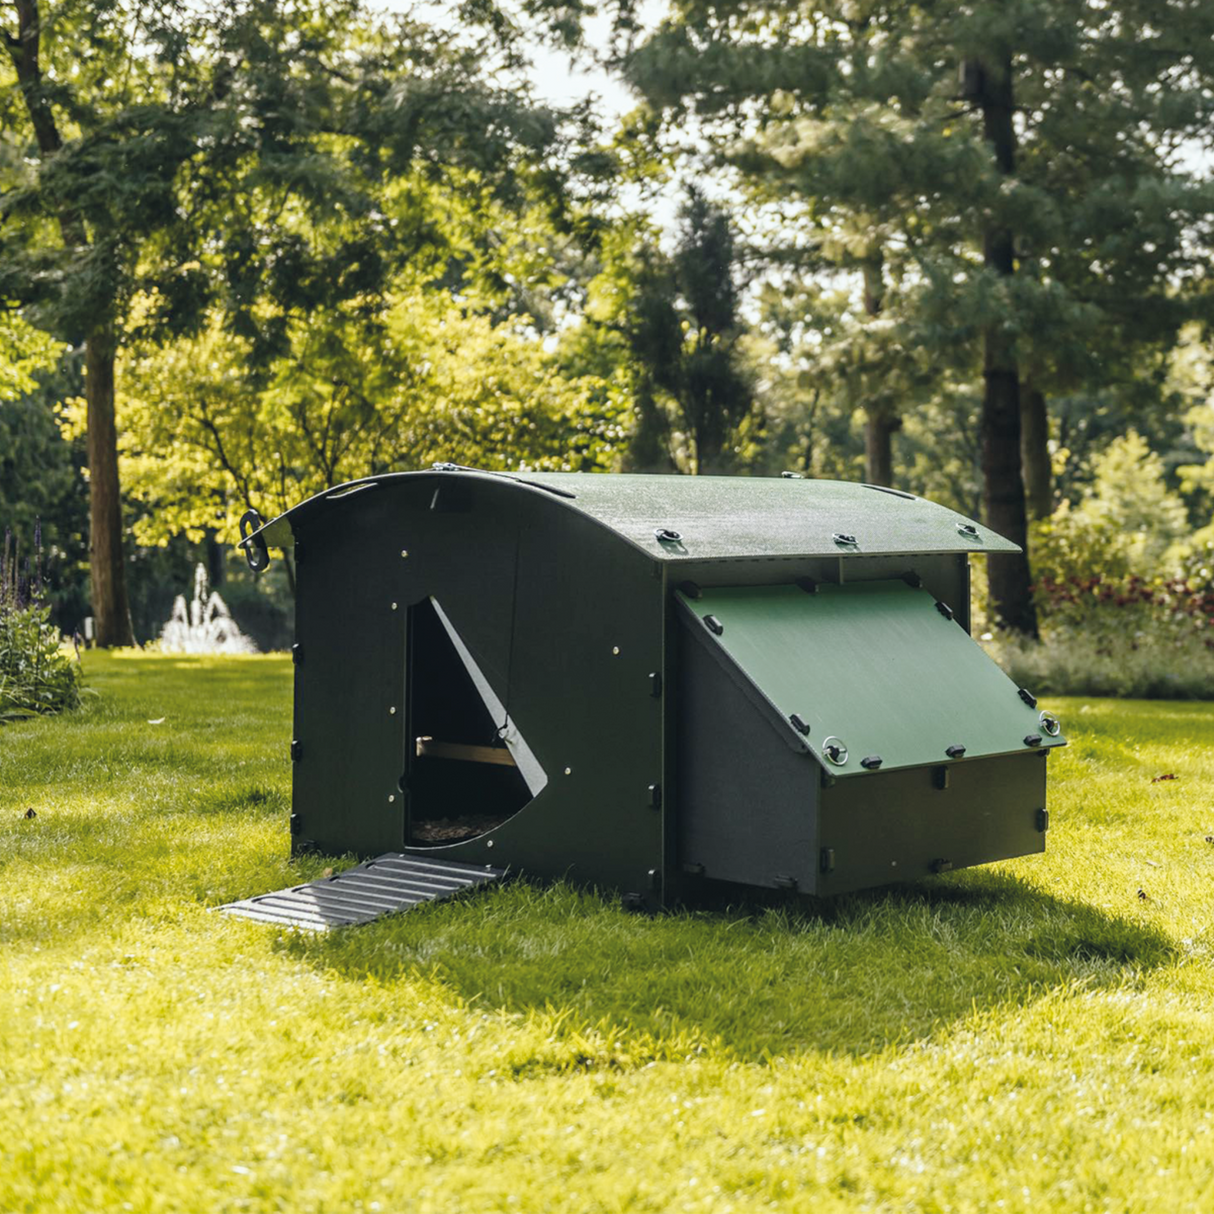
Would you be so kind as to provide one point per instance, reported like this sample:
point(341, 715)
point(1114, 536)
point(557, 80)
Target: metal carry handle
point(255, 551)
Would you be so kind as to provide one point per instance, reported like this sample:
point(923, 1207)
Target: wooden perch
point(428, 748)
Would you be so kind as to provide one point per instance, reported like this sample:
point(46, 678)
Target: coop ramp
point(383, 886)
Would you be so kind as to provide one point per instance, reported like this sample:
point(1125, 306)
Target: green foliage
point(865, 162)
point(905, 1049)
point(678, 315)
point(1126, 596)
point(41, 478)
point(437, 380)
point(36, 675)
point(236, 158)
point(24, 352)
point(1127, 522)
point(1114, 651)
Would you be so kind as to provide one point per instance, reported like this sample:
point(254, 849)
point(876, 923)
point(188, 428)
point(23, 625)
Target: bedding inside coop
point(468, 769)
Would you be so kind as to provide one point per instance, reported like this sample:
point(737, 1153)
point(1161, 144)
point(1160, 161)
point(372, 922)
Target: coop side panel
point(895, 826)
point(747, 807)
point(350, 634)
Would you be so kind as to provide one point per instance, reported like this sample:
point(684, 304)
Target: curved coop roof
point(675, 518)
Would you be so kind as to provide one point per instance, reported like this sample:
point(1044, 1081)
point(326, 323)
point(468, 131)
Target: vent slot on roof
point(468, 768)
point(910, 497)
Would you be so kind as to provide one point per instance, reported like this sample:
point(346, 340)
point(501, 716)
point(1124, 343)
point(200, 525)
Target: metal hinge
point(826, 860)
point(296, 750)
point(1043, 820)
point(297, 654)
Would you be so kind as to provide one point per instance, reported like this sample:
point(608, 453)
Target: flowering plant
point(36, 675)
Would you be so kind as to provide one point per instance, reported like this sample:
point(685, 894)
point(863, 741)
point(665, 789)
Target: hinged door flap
point(875, 675)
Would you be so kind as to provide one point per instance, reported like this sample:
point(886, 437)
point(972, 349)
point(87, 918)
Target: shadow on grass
point(851, 976)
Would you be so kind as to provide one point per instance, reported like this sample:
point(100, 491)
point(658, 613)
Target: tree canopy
point(251, 250)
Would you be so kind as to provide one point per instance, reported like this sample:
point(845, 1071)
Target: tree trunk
point(1035, 452)
point(216, 559)
point(648, 448)
point(879, 428)
point(1003, 485)
point(881, 423)
point(107, 570)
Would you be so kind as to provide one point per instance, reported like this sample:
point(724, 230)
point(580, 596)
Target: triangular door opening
point(468, 769)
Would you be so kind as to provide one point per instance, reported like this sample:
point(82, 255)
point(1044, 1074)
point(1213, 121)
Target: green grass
point(1034, 1036)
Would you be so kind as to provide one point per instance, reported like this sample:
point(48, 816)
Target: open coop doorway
point(468, 769)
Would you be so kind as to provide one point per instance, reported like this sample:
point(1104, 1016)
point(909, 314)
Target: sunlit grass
point(1034, 1034)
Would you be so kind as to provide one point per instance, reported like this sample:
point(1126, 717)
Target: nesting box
point(647, 682)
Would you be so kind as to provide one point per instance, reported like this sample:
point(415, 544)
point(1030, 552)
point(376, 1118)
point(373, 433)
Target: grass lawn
point(1036, 1035)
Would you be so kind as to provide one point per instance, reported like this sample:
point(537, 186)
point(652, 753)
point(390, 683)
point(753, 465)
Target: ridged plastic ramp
point(384, 886)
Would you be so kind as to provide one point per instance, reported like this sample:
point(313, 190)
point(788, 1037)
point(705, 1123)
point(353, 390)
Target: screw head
point(615, 649)
point(568, 771)
point(392, 711)
point(404, 552)
point(393, 606)
point(391, 797)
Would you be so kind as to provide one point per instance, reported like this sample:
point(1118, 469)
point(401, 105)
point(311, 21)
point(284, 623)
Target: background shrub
point(36, 674)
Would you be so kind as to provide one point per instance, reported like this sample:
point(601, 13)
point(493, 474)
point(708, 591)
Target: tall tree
point(679, 313)
point(105, 507)
point(179, 158)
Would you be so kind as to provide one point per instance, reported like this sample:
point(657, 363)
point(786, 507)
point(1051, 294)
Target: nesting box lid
point(675, 518)
point(870, 675)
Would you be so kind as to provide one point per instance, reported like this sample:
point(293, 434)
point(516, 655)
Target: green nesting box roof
point(873, 665)
point(728, 517)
